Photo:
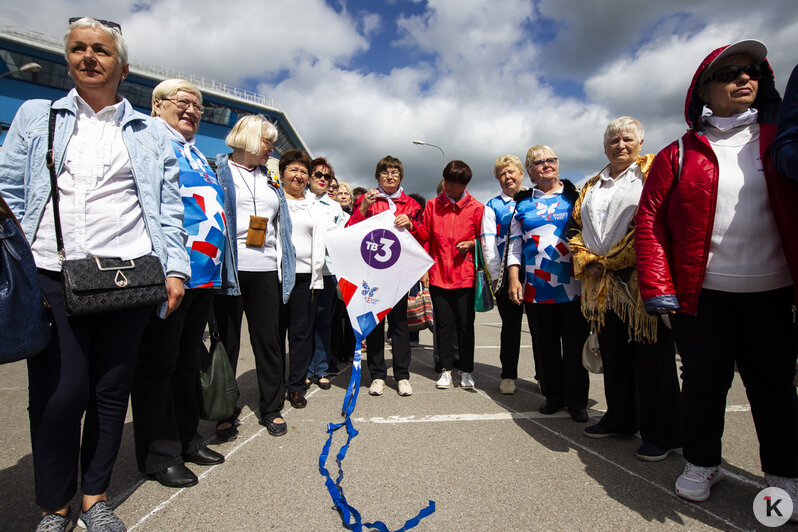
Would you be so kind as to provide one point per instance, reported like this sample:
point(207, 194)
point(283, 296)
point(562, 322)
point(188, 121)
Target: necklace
point(242, 172)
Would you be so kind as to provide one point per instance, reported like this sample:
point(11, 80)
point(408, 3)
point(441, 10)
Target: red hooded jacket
point(676, 214)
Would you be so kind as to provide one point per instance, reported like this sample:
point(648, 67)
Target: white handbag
point(591, 354)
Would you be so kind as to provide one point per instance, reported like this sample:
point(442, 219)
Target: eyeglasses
point(394, 173)
point(183, 105)
point(332, 187)
point(731, 73)
point(107, 23)
point(319, 175)
point(551, 161)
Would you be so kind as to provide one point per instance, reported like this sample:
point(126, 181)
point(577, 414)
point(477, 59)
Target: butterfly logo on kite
point(368, 292)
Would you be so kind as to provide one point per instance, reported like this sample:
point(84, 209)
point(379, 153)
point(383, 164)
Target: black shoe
point(176, 476)
point(204, 456)
point(324, 383)
point(548, 408)
point(228, 434)
point(274, 429)
point(297, 399)
point(579, 415)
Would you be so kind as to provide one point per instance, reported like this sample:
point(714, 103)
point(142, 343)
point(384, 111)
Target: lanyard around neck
point(242, 171)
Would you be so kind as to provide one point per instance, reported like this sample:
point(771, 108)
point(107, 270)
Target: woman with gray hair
point(637, 350)
point(166, 409)
point(263, 263)
point(118, 178)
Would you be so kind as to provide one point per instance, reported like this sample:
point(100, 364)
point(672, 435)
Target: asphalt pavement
point(488, 461)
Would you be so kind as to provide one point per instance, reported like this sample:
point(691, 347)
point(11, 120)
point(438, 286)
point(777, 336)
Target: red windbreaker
point(675, 217)
point(444, 224)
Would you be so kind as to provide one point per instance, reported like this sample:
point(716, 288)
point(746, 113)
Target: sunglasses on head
point(731, 73)
point(319, 175)
point(107, 23)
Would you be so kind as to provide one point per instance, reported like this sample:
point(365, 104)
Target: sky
point(361, 79)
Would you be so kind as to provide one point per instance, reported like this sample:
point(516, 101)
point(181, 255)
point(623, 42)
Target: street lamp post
point(422, 143)
point(27, 67)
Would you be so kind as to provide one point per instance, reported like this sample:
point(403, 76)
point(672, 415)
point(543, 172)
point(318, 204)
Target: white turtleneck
point(745, 253)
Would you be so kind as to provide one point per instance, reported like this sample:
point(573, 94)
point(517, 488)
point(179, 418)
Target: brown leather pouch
point(256, 234)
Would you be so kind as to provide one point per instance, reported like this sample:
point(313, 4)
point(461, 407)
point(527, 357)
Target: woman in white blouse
point(310, 221)
point(637, 350)
point(263, 261)
point(118, 185)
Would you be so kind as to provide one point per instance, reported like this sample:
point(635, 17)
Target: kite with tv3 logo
point(376, 264)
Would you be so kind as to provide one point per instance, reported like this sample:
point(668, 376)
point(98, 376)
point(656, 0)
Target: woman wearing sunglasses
point(322, 189)
point(716, 251)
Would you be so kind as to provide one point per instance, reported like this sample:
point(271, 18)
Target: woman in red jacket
point(451, 223)
point(716, 252)
point(389, 174)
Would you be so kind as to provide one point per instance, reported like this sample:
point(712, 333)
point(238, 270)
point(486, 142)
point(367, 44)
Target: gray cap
point(751, 47)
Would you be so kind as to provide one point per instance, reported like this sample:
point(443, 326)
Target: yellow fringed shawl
point(617, 288)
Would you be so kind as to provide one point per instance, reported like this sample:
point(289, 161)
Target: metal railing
point(152, 70)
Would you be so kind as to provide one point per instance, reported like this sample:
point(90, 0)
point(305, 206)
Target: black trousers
point(343, 337)
point(260, 298)
point(558, 333)
point(296, 317)
point(640, 384)
point(87, 369)
point(755, 330)
point(400, 344)
point(165, 396)
point(511, 315)
point(454, 324)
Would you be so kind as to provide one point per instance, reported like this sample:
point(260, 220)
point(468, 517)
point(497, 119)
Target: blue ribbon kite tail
point(349, 515)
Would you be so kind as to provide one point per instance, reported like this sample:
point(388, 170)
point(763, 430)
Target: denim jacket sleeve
point(230, 264)
point(14, 164)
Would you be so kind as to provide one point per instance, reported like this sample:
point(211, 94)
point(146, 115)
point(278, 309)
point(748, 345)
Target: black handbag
point(94, 284)
point(24, 324)
point(219, 389)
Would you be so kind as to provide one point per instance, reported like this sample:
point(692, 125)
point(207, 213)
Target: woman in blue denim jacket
point(117, 181)
point(262, 261)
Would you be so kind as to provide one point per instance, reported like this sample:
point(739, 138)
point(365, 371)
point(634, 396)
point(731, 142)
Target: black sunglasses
point(731, 73)
point(107, 23)
point(319, 175)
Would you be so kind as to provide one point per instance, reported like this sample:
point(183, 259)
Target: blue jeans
point(323, 329)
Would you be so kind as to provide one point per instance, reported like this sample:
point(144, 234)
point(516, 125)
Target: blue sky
point(360, 79)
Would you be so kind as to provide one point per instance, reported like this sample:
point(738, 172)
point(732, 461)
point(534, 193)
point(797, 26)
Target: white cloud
point(487, 83)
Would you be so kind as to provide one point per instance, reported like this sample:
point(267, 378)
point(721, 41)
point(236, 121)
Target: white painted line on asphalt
point(496, 346)
point(497, 416)
point(668, 491)
point(205, 473)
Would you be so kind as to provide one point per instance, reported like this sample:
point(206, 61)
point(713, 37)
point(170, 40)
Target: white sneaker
point(507, 386)
point(377, 387)
point(694, 484)
point(445, 380)
point(790, 485)
point(403, 388)
point(466, 380)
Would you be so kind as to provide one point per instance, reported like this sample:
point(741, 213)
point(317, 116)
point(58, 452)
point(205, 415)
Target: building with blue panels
point(223, 104)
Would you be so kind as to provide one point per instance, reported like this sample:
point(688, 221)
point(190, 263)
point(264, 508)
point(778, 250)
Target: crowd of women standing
point(690, 248)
